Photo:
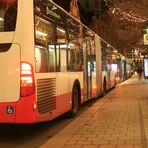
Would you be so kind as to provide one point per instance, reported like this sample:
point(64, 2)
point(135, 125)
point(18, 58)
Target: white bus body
point(45, 71)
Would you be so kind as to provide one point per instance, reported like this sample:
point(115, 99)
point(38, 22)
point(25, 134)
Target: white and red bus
point(50, 63)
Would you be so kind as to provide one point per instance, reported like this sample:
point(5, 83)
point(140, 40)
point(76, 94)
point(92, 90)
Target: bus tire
point(115, 83)
point(104, 87)
point(115, 80)
point(75, 102)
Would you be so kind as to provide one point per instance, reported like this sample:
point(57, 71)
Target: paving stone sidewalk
point(118, 120)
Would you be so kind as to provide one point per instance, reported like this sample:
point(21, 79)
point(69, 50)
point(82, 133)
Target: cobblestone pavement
point(118, 120)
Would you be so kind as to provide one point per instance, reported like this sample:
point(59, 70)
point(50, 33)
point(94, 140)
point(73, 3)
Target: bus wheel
point(75, 103)
point(104, 88)
point(115, 80)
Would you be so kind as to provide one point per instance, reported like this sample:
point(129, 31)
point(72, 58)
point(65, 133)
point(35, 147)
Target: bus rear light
point(26, 72)
point(27, 80)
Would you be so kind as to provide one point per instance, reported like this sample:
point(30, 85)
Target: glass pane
point(52, 58)
point(41, 59)
point(75, 53)
point(8, 13)
point(44, 38)
point(104, 56)
point(62, 49)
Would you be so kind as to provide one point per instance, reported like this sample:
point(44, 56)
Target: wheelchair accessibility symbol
point(10, 109)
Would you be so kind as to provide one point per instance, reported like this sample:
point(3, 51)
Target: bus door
point(87, 70)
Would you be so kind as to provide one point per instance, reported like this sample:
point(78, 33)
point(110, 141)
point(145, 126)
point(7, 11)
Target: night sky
point(87, 8)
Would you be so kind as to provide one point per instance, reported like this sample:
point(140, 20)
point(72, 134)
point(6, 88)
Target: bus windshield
point(8, 13)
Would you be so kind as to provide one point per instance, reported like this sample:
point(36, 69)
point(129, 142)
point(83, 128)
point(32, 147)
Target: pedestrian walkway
point(118, 120)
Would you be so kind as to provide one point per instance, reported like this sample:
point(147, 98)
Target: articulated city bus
point(50, 63)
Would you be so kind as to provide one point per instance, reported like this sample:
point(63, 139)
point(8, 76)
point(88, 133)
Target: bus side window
point(72, 59)
point(10, 17)
point(51, 58)
point(63, 63)
point(75, 53)
point(61, 49)
point(45, 53)
point(41, 56)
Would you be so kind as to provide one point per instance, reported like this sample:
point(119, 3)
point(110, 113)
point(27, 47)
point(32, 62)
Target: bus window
point(61, 48)
point(45, 40)
point(72, 58)
point(75, 54)
point(8, 14)
point(41, 59)
point(105, 65)
point(51, 59)
point(63, 63)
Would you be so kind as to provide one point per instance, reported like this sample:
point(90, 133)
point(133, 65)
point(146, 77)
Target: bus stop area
point(118, 120)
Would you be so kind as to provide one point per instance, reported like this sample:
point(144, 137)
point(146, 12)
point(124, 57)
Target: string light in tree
point(129, 16)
